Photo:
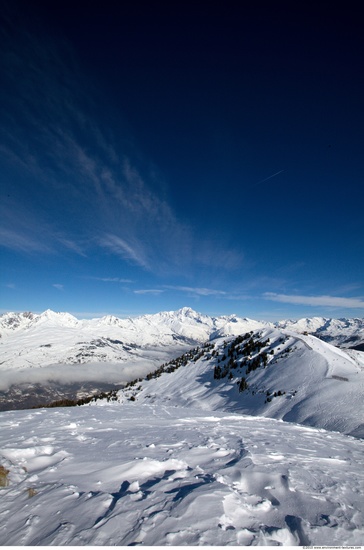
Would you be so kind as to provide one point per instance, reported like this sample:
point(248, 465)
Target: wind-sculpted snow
point(153, 475)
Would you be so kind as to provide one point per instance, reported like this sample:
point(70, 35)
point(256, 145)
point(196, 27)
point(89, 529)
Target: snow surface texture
point(154, 475)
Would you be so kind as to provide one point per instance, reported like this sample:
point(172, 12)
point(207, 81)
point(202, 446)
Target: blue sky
point(157, 155)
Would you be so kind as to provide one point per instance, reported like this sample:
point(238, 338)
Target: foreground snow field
point(157, 475)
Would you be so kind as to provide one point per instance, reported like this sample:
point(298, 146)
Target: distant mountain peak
point(187, 311)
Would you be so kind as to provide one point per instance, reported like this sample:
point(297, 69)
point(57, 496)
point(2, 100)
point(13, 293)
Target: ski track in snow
point(154, 475)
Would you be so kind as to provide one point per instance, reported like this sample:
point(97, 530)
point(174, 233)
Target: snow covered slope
point(152, 475)
point(270, 372)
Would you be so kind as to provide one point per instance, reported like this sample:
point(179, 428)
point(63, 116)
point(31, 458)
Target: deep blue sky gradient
point(161, 154)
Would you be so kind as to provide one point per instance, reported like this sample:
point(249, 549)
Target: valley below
point(28, 396)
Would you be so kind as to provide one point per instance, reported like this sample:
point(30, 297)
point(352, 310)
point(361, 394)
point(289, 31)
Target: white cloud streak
point(197, 290)
point(324, 301)
point(58, 286)
point(72, 245)
point(269, 177)
point(111, 280)
point(120, 247)
point(153, 291)
point(19, 241)
point(26, 234)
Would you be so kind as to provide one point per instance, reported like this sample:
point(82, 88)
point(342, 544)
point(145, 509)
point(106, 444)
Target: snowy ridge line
point(270, 373)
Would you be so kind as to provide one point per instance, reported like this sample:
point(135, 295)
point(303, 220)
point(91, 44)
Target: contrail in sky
point(269, 177)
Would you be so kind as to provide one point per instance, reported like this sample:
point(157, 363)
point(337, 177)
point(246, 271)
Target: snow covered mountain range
point(185, 322)
point(345, 333)
point(54, 355)
point(50, 337)
point(80, 356)
point(164, 328)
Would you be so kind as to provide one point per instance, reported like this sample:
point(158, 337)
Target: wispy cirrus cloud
point(58, 286)
point(21, 242)
point(126, 250)
point(22, 231)
point(152, 291)
point(72, 245)
point(197, 291)
point(111, 279)
point(11, 286)
point(83, 177)
point(268, 178)
point(323, 301)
